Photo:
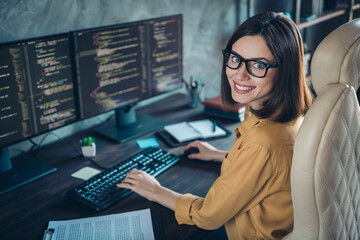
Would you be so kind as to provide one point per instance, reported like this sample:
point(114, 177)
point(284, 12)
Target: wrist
point(165, 197)
point(219, 155)
point(156, 193)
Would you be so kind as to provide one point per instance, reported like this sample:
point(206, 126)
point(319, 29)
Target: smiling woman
point(278, 44)
point(252, 197)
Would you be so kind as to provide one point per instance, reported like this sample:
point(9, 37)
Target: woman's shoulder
point(268, 132)
point(278, 139)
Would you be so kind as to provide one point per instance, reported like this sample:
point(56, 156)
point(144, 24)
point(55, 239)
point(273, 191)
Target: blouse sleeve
point(241, 185)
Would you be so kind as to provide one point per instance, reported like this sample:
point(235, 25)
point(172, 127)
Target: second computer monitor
point(123, 64)
point(120, 65)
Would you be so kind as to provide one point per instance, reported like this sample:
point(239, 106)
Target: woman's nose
point(242, 72)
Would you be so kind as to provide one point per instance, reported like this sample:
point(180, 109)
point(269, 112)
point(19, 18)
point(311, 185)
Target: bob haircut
point(290, 96)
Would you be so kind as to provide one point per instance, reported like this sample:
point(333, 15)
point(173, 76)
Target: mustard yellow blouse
point(252, 194)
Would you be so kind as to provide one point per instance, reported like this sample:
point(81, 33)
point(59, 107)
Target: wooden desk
point(26, 211)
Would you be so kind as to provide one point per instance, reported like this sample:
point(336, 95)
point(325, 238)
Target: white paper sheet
point(182, 132)
point(130, 225)
point(206, 128)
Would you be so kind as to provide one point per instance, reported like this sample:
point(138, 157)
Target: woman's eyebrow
point(260, 59)
point(256, 59)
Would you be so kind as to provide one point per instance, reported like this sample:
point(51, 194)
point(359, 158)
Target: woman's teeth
point(243, 88)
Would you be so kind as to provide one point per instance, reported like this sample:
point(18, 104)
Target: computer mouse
point(191, 151)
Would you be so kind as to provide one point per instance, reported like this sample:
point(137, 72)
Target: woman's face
point(245, 88)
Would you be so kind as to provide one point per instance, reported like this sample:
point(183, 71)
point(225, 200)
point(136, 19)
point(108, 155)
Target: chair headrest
point(337, 58)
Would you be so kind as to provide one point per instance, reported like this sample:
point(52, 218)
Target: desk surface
point(26, 211)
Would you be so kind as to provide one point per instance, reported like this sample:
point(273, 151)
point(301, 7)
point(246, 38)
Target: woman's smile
point(243, 89)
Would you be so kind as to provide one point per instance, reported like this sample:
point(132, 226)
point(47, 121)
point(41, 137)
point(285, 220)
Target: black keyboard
point(100, 191)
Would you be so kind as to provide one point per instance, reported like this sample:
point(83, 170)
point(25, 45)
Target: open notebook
point(200, 129)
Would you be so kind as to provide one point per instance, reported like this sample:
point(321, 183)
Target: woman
point(263, 68)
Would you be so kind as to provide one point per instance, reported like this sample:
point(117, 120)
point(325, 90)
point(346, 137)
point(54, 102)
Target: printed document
point(130, 225)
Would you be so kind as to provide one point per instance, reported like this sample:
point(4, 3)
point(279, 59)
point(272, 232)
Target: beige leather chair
point(325, 176)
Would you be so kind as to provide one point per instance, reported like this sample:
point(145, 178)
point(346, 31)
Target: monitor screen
point(36, 88)
point(37, 95)
point(120, 65)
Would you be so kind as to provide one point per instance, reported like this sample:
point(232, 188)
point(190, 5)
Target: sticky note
point(85, 173)
point(148, 142)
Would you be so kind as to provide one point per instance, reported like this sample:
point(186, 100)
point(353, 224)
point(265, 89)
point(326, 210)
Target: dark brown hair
point(290, 96)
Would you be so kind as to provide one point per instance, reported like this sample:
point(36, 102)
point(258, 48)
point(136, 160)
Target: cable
point(37, 146)
point(34, 145)
point(94, 162)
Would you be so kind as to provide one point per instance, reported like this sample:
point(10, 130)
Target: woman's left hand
point(141, 183)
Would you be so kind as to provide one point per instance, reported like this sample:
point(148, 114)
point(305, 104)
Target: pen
point(187, 85)
point(193, 83)
point(214, 125)
point(48, 234)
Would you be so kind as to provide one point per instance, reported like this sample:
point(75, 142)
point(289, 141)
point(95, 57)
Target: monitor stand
point(24, 170)
point(129, 125)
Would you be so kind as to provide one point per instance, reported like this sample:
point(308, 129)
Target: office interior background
point(207, 25)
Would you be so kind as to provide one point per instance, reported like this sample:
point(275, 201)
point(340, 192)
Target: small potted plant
point(88, 146)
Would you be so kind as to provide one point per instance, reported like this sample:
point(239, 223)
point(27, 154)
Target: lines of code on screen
point(36, 88)
point(123, 64)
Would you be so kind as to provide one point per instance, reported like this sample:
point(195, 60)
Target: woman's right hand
point(207, 152)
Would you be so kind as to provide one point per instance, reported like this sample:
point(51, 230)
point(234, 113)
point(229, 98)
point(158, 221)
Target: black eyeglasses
point(255, 68)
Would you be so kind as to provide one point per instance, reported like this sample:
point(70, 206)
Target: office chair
point(325, 175)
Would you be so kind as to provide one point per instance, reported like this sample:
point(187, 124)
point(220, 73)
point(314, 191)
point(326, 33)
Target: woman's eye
point(235, 59)
point(259, 65)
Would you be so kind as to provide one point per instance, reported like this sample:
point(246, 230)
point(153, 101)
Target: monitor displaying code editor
point(36, 87)
point(123, 64)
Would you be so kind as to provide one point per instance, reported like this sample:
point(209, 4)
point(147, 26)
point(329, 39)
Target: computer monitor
point(120, 65)
point(37, 95)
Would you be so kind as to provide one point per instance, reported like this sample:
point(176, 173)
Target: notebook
point(200, 129)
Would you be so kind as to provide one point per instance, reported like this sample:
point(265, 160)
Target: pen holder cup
point(89, 151)
point(193, 98)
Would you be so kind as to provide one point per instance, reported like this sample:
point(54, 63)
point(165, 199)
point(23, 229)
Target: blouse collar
point(247, 124)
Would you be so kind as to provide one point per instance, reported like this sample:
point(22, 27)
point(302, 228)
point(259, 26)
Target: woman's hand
point(147, 186)
point(207, 152)
point(141, 183)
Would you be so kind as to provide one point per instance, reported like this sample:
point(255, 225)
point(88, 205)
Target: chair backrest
point(325, 175)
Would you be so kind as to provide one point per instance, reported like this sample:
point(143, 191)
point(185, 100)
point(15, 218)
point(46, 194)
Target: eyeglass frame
point(267, 65)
